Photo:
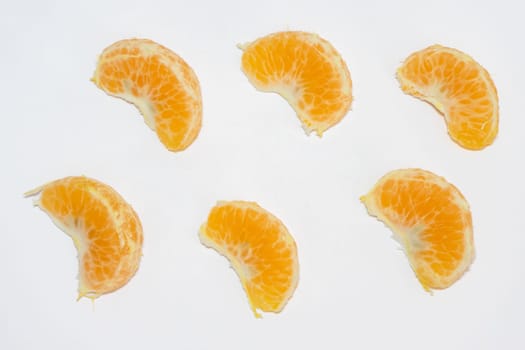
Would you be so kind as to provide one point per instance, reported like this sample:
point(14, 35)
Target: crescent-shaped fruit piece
point(106, 231)
point(306, 70)
point(430, 218)
point(260, 250)
point(159, 83)
point(459, 88)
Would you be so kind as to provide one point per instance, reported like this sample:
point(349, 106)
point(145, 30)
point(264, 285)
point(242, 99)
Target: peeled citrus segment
point(430, 218)
point(159, 83)
point(459, 88)
point(260, 250)
point(107, 233)
point(306, 70)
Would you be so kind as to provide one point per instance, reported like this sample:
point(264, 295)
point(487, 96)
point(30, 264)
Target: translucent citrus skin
point(159, 83)
point(459, 88)
point(260, 250)
point(432, 221)
point(306, 70)
point(105, 230)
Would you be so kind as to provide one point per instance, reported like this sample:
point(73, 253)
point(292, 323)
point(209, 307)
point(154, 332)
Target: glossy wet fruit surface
point(431, 220)
point(306, 70)
point(105, 229)
point(459, 88)
point(260, 250)
point(159, 83)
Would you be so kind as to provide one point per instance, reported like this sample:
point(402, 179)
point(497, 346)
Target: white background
point(356, 289)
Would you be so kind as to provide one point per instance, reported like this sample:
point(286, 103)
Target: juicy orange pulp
point(105, 230)
point(306, 70)
point(159, 83)
point(459, 88)
point(260, 250)
point(432, 221)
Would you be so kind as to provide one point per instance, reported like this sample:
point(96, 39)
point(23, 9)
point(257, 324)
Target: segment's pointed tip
point(256, 314)
point(426, 287)
point(307, 129)
point(252, 306)
point(85, 294)
point(428, 290)
point(33, 192)
point(242, 47)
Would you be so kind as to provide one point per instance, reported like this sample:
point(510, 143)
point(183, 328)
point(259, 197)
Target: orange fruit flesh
point(159, 83)
point(459, 88)
point(106, 231)
point(431, 220)
point(306, 70)
point(260, 250)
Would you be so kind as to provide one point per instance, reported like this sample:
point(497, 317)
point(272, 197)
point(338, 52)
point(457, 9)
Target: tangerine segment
point(459, 88)
point(260, 250)
point(306, 70)
point(430, 218)
point(159, 83)
point(106, 231)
